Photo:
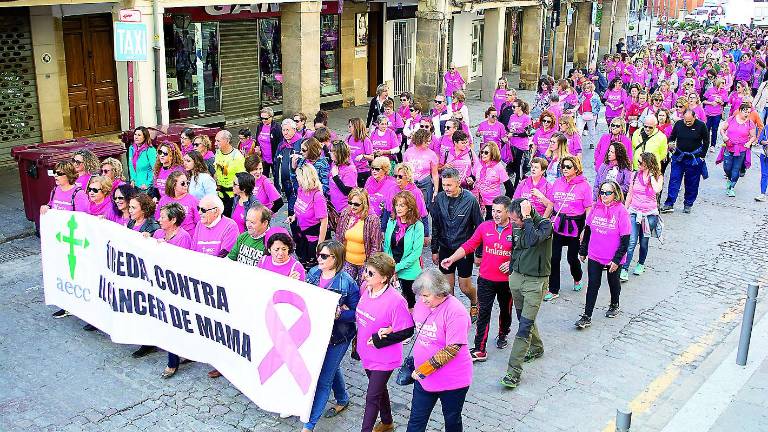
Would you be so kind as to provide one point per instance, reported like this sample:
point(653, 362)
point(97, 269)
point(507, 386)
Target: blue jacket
point(344, 329)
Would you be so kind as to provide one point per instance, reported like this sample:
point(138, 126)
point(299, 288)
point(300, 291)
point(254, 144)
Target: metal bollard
point(746, 325)
point(623, 421)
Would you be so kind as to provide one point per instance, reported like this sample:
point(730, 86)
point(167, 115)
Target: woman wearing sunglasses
point(491, 175)
point(616, 134)
point(616, 100)
point(177, 191)
point(604, 247)
point(571, 197)
point(359, 230)
point(99, 188)
point(67, 194)
point(544, 132)
point(379, 185)
point(404, 183)
point(329, 274)
point(113, 168)
point(244, 198)
point(491, 129)
point(643, 210)
point(383, 323)
point(121, 196)
point(168, 160)
point(86, 164)
point(424, 162)
point(404, 241)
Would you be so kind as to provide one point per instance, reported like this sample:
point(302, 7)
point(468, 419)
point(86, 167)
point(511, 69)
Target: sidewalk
point(15, 224)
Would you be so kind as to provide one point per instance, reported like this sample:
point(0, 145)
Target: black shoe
point(501, 341)
point(61, 313)
point(583, 322)
point(531, 355)
point(687, 209)
point(143, 350)
point(89, 327)
point(612, 311)
point(666, 209)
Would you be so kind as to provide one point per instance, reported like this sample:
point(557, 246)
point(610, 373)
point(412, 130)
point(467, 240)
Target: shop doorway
point(403, 35)
point(375, 50)
point(476, 66)
point(91, 79)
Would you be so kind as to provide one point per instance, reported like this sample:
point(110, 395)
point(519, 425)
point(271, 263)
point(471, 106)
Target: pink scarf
point(137, 151)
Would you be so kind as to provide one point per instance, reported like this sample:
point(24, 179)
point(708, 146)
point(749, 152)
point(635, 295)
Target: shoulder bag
point(405, 372)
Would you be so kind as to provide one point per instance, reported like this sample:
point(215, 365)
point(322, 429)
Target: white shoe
point(761, 198)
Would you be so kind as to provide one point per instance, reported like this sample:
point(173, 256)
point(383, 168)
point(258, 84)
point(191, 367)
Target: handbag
point(405, 371)
point(587, 116)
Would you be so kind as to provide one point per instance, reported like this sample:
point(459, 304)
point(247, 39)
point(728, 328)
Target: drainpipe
point(157, 26)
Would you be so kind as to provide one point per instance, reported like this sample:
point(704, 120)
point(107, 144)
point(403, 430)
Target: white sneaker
point(761, 198)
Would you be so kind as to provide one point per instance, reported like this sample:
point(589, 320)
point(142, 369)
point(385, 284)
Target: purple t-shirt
point(162, 176)
point(711, 95)
point(388, 309)
point(607, 224)
point(448, 324)
point(525, 187)
point(189, 202)
point(517, 124)
point(541, 140)
point(615, 101)
point(359, 148)
point(489, 180)
point(417, 195)
point(499, 97)
point(265, 191)
point(309, 209)
point(62, 200)
point(182, 238)
point(348, 176)
point(378, 191)
point(386, 140)
point(491, 132)
point(265, 143)
point(570, 199)
point(285, 269)
point(214, 240)
point(421, 160)
point(83, 180)
point(238, 215)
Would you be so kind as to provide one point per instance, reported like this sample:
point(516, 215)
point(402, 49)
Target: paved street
point(676, 321)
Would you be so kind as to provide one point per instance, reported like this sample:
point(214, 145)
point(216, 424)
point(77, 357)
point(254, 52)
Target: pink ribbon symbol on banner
point(285, 350)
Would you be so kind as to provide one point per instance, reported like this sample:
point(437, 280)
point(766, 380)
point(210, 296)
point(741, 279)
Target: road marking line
point(643, 402)
point(703, 409)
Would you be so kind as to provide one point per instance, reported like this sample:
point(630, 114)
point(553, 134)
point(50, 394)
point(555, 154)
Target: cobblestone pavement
point(57, 377)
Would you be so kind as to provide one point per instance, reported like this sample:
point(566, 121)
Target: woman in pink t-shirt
point(643, 210)
point(440, 352)
point(359, 146)
point(547, 127)
point(86, 164)
point(309, 223)
point(536, 189)
point(500, 94)
point(379, 184)
point(424, 163)
point(99, 188)
point(491, 129)
point(605, 242)
point(177, 190)
point(462, 158)
point(383, 323)
point(342, 177)
point(384, 141)
point(738, 133)
point(263, 188)
point(169, 159)
point(67, 194)
point(121, 196)
point(492, 174)
point(513, 153)
point(279, 260)
point(568, 128)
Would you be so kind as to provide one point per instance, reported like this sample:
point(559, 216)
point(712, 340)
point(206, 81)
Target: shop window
point(192, 67)
point(270, 61)
point(329, 55)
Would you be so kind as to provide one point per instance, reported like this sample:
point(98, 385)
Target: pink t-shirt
point(417, 195)
point(162, 176)
point(378, 191)
point(85, 178)
point(265, 191)
point(421, 160)
point(643, 195)
point(499, 97)
point(118, 219)
point(238, 215)
point(348, 176)
point(358, 148)
point(189, 202)
point(265, 143)
point(541, 140)
point(285, 269)
point(62, 200)
point(615, 101)
point(524, 191)
point(388, 309)
point(466, 162)
point(738, 135)
point(517, 124)
point(604, 143)
point(309, 209)
point(216, 239)
point(570, 199)
point(247, 146)
point(711, 96)
point(490, 178)
point(607, 224)
point(442, 145)
point(384, 141)
point(447, 324)
point(491, 132)
point(574, 144)
point(182, 238)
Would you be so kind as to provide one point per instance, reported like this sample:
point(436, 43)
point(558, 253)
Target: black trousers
point(572, 243)
point(406, 286)
point(515, 169)
point(487, 292)
point(228, 202)
point(595, 274)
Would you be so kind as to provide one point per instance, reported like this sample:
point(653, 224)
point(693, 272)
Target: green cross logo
point(72, 241)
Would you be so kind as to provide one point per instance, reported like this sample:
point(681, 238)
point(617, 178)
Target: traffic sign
point(131, 42)
point(129, 15)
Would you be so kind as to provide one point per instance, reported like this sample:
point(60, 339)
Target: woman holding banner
point(383, 323)
point(142, 211)
point(67, 195)
point(328, 274)
point(279, 260)
point(121, 197)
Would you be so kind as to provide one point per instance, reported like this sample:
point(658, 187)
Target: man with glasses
point(440, 114)
point(692, 138)
point(283, 170)
point(508, 107)
point(649, 139)
point(268, 137)
point(228, 161)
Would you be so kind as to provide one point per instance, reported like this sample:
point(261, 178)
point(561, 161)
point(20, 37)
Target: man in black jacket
point(529, 267)
point(688, 163)
point(455, 216)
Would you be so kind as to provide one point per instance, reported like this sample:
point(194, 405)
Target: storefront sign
point(239, 12)
point(130, 41)
point(129, 15)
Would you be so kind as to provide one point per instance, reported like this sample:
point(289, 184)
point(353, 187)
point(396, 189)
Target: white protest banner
point(265, 332)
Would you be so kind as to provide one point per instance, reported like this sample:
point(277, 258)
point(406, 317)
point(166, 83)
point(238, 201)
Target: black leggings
point(558, 242)
point(595, 274)
point(406, 286)
point(515, 169)
point(488, 212)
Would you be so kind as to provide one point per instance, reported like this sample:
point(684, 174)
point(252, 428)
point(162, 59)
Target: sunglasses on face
point(162, 153)
point(400, 176)
point(546, 121)
point(493, 116)
point(303, 149)
point(377, 169)
point(606, 193)
point(266, 118)
point(615, 126)
point(77, 161)
point(205, 210)
point(323, 256)
point(566, 166)
point(679, 106)
point(119, 198)
point(437, 101)
point(355, 204)
point(94, 190)
point(106, 171)
point(184, 183)
point(485, 152)
point(413, 109)
point(648, 127)
point(298, 120)
point(403, 99)
point(59, 173)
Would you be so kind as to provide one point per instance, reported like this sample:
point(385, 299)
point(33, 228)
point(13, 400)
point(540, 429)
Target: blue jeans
point(713, 122)
point(330, 378)
point(423, 403)
point(684, 170)
point(637, 236)
point(732, 165)
point(763, 173)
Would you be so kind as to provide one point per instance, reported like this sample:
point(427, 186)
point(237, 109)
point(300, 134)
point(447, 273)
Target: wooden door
point(91, 78)
point(375, 51)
